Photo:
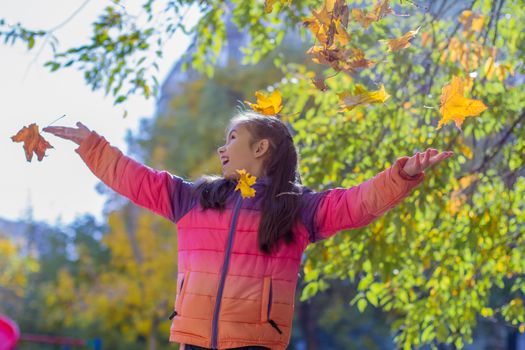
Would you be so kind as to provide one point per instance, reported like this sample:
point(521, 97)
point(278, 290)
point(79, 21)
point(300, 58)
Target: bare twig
point(50, 32)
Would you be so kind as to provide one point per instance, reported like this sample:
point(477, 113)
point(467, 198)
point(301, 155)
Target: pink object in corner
point(9, 333)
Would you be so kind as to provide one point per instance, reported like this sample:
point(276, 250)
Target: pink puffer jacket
point(229, 294)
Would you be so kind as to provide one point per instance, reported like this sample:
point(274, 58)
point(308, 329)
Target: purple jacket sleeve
point(159, 191)
point(328, 212)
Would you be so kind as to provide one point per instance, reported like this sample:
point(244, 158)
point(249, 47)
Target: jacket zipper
point(270, 321)
point(174, 313)
point(214, 324)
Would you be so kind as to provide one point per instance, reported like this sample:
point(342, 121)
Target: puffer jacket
point(229, 294)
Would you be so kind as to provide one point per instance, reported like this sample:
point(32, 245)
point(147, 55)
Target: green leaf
point(361, 305)
point(120, 99)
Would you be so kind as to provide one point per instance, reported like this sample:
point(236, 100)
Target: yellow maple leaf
point(317, 28)
point(454, 106)
point(245, 181)
point(362, 96)
point(402, 42)
point(267, 105)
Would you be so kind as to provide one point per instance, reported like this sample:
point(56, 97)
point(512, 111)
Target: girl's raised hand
point(420, 161)
point(73, 134)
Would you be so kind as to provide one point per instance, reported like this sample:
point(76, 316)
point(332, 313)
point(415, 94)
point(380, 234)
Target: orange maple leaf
point(267, 105)
point(402, 42)
point(33, 142)
point(454, 106)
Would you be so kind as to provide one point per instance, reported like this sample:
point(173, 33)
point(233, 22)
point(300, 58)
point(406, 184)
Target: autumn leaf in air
point(402, 42)
point(267, 105)
point(329, 27)
point(33, 142)
point(380, 10)
point(362, 96)
point(244, 184)
point(454, 106)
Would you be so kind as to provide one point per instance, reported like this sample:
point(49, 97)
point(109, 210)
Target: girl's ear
point(262, 148)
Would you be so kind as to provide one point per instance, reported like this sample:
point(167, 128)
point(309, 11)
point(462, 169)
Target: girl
point(239, 258)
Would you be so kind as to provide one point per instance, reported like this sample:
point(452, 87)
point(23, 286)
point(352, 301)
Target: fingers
point(82, 126)
point(430, 157)
point(62, 131)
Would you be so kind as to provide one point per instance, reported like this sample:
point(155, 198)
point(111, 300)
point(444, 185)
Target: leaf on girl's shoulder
point(33, 142)
point(244, 184)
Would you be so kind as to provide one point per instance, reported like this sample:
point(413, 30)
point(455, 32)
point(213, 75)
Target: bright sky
point(61, 186)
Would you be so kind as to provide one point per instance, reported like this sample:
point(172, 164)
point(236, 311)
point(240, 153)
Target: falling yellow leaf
point(402, 42)
point(381, 9)
point(362, 96)
point(267, 105)
point(246, 180)
point(454, 106)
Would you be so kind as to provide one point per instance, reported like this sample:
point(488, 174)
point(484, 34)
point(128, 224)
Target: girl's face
point(237, 153)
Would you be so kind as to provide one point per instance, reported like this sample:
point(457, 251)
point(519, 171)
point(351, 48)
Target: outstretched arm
point(328, 212)
point(159, 191)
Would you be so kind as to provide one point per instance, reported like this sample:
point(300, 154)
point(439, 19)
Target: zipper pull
point(274, 325)
point(173, 314)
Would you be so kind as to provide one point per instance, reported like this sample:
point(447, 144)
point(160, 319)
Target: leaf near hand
point(33, 142)
point(454, 106)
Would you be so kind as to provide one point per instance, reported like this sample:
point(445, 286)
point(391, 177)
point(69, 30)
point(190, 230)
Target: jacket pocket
point(181, 292)
point(267, 301)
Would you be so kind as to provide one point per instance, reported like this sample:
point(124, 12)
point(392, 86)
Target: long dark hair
point(281, 203)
